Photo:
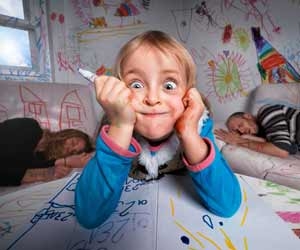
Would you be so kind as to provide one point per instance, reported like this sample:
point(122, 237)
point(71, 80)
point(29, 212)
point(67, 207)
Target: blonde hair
point(53, 143)
point(164, 43)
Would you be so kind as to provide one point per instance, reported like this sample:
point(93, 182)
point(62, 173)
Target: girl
point(156, 115)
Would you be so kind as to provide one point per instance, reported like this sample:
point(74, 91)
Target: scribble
point(200, 15)
point(241, 38)
point(258, 10)
point(207, 220)
point(202, 12)
point(72, 111)
point(34, 106)
point(133, 185)
point(183, 18)
point(228, 76)
point(5, 228)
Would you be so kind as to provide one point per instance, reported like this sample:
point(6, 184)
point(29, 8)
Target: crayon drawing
point(164, 214)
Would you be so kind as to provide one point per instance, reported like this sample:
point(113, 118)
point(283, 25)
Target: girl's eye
point(136, 85)
point(170, 85)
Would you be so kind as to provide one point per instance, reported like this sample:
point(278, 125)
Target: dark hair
point(238, 114)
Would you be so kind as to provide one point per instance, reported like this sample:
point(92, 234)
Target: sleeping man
point(274, 131)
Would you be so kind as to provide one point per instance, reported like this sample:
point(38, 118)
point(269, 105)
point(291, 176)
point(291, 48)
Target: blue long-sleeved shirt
point(100, 185)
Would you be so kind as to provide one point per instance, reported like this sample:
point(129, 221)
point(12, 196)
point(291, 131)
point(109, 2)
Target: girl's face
point(158, 84)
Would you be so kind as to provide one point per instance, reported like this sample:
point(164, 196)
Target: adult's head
point(65, 142)
point(242, 123)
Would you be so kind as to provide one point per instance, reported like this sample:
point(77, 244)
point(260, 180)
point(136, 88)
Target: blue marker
point(87, 75)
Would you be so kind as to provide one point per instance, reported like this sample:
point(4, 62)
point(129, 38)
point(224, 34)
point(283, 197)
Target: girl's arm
point(215, 183)
point(100, 185)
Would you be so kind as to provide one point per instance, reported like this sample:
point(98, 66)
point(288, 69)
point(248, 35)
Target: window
point(23, 43)
point(15, 33)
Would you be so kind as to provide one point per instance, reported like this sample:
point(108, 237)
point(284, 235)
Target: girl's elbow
point(89, 219)
point(228, 209)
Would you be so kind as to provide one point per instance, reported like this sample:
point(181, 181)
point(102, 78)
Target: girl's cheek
point(135, 100)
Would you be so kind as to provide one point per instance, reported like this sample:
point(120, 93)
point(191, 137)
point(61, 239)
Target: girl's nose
point(151, 98)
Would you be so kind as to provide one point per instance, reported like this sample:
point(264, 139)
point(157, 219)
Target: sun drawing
point(228, 76)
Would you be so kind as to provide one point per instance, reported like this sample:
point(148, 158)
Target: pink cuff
point(206, 162)
point(116, 148)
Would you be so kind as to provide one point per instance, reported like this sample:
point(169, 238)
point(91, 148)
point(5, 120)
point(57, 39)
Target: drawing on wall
point(97, 24)
point(228, 76)
point(258, 10)
point(292, 52)
point(34, 106)
point(241, 38)
point(183, 20)
point(3, 113)
point(103, 70)
point(72, 112)
point(205, 15)
point(154, 215)
point(272, 65)
point(227, 33)
point(127, 9)
point(202, 17)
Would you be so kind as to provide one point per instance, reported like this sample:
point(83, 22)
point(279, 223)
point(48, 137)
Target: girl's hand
point(187, 124)
point(115, 98)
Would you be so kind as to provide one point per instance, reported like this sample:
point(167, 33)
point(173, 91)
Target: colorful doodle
point(228, 76)
point(189, 237)
point(258, 10)
point(126, 9)
point(273, 67)
point(241, 38)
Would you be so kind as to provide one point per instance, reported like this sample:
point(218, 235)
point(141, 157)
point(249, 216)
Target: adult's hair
point(238, 114)
point(53, 142)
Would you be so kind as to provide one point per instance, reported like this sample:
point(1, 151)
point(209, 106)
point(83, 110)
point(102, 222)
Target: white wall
point(75, 43)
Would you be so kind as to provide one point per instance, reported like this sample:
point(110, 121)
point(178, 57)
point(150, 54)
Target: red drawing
point(3, 113)
point(72, 113)
point(34, 106)
point(259, 10)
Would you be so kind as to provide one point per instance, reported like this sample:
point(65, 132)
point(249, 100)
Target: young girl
point(156, 115)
